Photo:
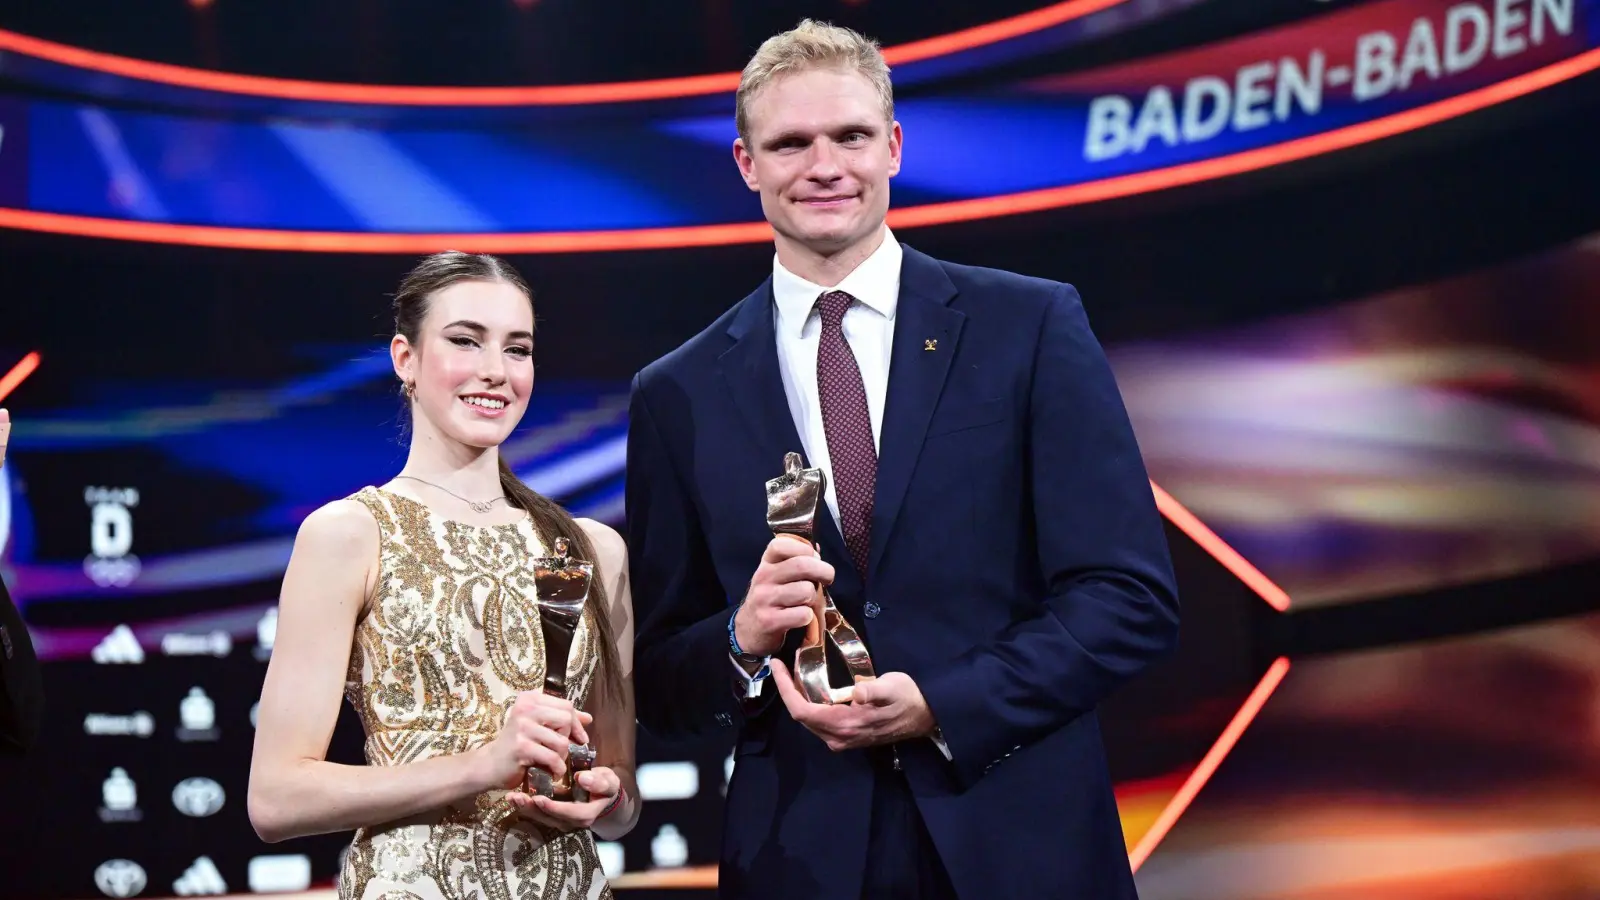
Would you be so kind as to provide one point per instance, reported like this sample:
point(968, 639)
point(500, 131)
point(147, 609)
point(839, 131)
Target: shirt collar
point(875, 282)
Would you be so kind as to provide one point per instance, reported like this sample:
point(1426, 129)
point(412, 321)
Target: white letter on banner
point(1196, 128)
point(1304, 86)
point(1558, 12)
point(1458, 58)
point(1107, 134)
point(1250, 95)
point(1422, 53)
point(1374, 65)
point(1505, 19)
point(1157, 118)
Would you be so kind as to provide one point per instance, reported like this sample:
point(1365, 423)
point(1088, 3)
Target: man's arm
point(685, 679)
point(1112, 607)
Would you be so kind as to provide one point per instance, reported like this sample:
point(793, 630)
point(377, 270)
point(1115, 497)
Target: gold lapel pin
point(930, 344)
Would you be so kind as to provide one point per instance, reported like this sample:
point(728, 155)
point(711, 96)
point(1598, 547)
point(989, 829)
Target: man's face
point(821, 154)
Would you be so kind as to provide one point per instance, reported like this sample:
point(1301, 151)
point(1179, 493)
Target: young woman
point(415, 601)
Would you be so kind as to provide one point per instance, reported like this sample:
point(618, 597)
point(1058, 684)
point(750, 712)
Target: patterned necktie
point(848, 427)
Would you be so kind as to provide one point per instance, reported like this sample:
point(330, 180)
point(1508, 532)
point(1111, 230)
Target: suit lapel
point(750, 375)
point(916, 379)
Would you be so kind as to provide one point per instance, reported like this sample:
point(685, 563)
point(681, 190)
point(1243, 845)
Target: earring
point(410, 390)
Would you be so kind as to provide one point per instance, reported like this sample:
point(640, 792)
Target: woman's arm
point(294, 791)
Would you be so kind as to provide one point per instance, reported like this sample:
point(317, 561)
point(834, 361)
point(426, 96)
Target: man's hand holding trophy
point(790, 590)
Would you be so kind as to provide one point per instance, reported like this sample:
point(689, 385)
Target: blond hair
point(812, 45)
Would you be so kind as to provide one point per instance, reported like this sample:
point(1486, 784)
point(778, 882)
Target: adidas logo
point(120, 646)
point(201, 878)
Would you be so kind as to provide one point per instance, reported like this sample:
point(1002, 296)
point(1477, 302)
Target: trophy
point(561, 587)
point(792, 500)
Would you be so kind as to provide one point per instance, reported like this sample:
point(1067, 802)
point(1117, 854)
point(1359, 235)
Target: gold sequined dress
point(448, 641)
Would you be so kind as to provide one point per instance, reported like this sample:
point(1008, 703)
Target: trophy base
point(811, 675)
point(580, 758)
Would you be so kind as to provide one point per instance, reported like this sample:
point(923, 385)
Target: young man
point(989, 530)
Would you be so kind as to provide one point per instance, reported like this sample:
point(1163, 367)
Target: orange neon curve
point(1201, 534)
point(18, 374)
point(1209, 763)
point(756, 232)
point(533, 95)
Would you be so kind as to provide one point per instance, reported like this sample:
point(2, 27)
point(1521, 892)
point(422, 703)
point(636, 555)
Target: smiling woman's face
point(472, 366)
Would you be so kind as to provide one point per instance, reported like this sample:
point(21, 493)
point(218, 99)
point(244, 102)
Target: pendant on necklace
point(478, 507)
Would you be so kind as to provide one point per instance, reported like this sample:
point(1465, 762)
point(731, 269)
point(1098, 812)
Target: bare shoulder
point(608, 544)
point(333, 559)
point(341, 526)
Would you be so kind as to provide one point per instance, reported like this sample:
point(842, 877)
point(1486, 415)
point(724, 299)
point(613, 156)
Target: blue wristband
point(739, 654)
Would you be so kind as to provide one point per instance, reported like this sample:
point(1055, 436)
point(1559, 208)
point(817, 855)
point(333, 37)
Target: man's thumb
point(867, 693)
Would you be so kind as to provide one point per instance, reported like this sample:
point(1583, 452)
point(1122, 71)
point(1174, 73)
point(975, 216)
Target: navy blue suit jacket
point(1018, 566)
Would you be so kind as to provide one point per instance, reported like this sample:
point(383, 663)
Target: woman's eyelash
point(464, 341)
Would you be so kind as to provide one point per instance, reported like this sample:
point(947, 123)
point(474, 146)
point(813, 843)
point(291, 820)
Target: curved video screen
point(1464, 768)
point(584, 177)
point(1427, 436)
point(1430, 436)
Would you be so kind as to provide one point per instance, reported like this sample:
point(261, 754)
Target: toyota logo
point(197, 797)
point(119, 878)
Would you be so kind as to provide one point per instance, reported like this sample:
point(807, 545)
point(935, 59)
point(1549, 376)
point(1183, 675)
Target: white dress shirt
point(868, 327)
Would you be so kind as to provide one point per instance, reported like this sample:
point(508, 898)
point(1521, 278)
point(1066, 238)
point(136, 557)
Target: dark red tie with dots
point(848, 426)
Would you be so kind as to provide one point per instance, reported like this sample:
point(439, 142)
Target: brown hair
point(811, 45)
point(432, 275)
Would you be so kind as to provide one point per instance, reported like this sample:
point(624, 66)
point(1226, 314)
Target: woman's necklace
point(477, 506)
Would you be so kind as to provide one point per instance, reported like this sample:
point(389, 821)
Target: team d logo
point(111, 562)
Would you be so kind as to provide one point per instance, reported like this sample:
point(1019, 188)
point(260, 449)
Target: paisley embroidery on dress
point(449, 639)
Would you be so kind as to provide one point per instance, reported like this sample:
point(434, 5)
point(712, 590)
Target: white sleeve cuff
point(752, 683)
point(938, 740)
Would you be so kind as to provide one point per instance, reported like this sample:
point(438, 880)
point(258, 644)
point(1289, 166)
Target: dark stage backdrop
point(1375, 380)
point(1421, 455)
